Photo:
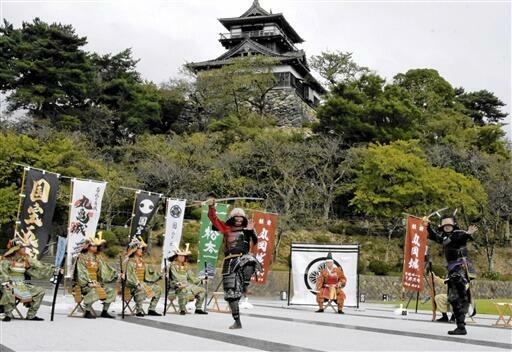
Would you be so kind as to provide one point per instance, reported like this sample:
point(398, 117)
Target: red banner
point(265, 225)
point(414, 254)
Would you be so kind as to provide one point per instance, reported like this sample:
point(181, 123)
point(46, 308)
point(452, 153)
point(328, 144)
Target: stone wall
point(373, 287)
point(289, 108)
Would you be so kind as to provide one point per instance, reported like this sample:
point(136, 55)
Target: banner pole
point(132, 215)
point(417, 299)
point(20, 203)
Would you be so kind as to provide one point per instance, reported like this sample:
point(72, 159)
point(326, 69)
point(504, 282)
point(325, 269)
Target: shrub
point(322, 238)
point(491, 275)
point(379, 267)
point(122, 234)
point(337, 228)
point(111, 238)
point(113, 251)
point(439, 270)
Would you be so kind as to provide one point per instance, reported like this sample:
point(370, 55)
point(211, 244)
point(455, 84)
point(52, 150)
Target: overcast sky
point(468, 42)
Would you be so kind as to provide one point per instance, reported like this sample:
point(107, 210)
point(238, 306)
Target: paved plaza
point(268, 326)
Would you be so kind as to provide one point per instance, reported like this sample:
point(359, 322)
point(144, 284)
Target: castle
point(259, 32)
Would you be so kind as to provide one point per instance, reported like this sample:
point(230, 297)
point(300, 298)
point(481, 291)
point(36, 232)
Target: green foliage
point(111, 238)
point(490, 275)
point(396, 178)
point(236, 88)
point(482, 106)
point(322, 238)
point(368, 110)
point(122, 234)
point(337, 67)
point(379, 267)
point(428, 90)
point(44, 69)
point(113, 251)
point(439, 270)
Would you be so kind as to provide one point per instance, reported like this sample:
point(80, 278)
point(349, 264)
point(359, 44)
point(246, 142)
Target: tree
point(367, 110)
point(44, 70)
point(237, 87)
point(482, 106)
point(337, 67)
point(397, 178)
point(428, 90)
point(496, 216)
point(329, 170)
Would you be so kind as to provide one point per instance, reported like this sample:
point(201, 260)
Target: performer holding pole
point(239, 265)
point(454, 241)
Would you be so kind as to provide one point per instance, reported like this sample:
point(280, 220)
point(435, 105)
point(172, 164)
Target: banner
point(414, 254)
point(174, 213)
point(308, 260)
point(265, 225)
point(84, 214)
point(39, 200)
point(145, 207)
point(210, 241)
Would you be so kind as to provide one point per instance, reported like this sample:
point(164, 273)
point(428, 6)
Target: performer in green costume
point(141, 279)
point(184, 282)
point(92, 272)
point(14, 265)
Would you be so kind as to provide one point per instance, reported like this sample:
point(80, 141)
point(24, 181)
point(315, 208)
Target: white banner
point(307, 262)
point(174, 214)
point(85, 209)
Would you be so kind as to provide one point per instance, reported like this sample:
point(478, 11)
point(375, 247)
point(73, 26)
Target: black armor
point(458, 264)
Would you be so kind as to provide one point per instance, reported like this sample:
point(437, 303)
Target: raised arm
point(218, 223)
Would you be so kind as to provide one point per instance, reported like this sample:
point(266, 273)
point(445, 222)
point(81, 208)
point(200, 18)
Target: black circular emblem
point(313, 270)
point(175, 211)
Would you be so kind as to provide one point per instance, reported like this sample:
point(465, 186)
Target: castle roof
point(256, 15)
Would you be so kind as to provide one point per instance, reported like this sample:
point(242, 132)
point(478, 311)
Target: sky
point(468, 42)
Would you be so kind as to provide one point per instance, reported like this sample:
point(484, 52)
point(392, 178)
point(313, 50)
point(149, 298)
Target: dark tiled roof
point(255, 10)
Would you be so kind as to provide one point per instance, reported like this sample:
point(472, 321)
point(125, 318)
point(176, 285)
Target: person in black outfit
point(239, 265)
point(454, 241)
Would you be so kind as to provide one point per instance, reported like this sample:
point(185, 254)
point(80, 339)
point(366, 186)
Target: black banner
point(145, 207)
point(40, 198)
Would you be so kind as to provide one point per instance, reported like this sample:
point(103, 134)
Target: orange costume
point(329, 286)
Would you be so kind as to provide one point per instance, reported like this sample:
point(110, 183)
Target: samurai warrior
point(91, 274)
point(329, 285)
point(184, 283)
point(460, 269)
point(239, 265)
point(15, 266)
point(141, 278)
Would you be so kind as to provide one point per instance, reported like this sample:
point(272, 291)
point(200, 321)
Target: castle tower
point(259, 32)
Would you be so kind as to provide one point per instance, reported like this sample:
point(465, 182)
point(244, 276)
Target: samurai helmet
point(90, 241)
point(17, 243)
point(234, 213)
point(135, 243)
point(176, 252)
point(329, 257)
point(449, 220)
point(98, 239)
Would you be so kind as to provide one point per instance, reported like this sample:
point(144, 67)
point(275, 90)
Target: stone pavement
point(269, 326)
